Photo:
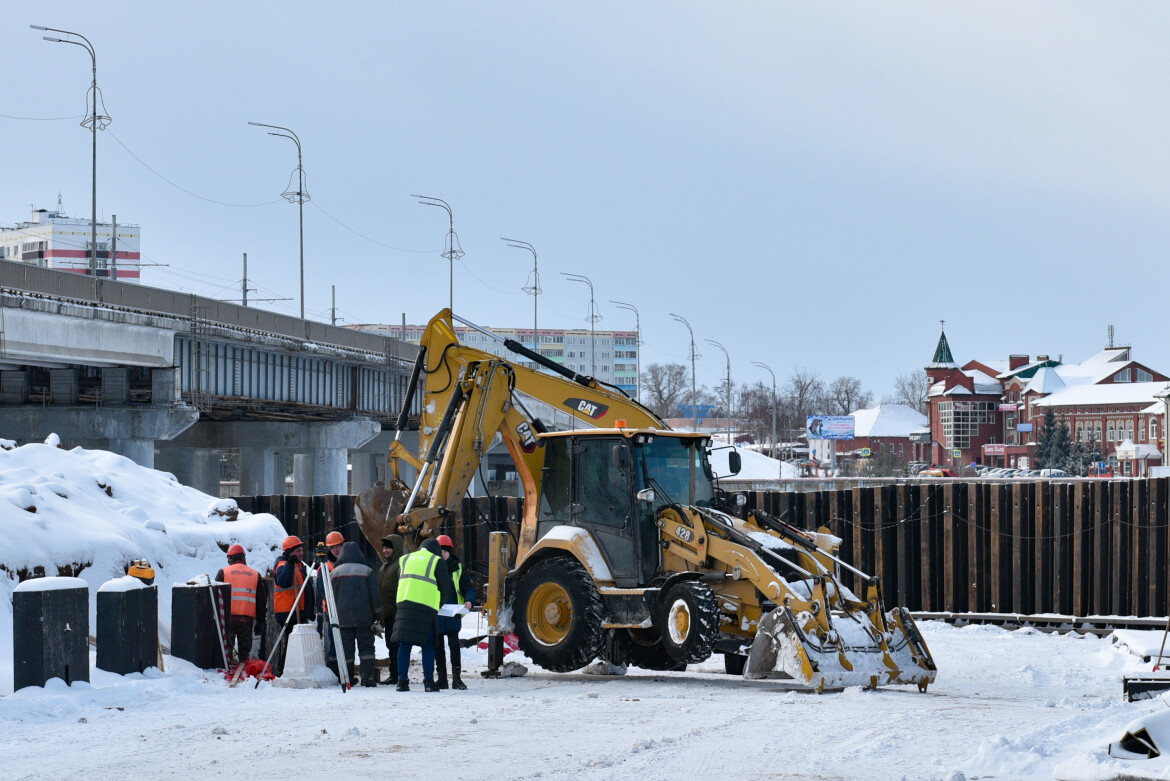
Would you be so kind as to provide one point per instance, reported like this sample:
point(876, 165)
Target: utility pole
point(694, 355)
point(333, 307)
point(114, 248)
point(244, 291)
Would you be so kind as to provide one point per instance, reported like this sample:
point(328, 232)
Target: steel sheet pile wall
point(1084, 547)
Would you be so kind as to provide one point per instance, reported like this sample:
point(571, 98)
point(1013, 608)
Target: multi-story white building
point(52, 240)
point(609, 356)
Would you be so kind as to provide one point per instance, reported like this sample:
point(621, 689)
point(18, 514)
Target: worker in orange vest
point(288, 575)
point(249, 602)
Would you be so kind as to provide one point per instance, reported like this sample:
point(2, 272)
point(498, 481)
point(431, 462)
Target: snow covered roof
point(1096, 367)
point(755, 466)
point(942, 355)
point(937, 389)
point(887, 420)
point(984, 383)
point(1111, 393)
point(1046, 380)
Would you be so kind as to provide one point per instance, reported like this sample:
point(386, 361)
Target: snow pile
point(755, 466)
point(90, 513)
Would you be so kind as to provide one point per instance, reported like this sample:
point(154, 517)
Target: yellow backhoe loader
point(627, 550)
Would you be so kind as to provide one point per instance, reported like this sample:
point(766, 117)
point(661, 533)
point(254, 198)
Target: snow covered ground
point(1006, 705)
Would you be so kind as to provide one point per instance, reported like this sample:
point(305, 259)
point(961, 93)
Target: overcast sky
point(811, 184)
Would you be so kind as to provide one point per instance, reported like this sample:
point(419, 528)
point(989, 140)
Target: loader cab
point(614, 484)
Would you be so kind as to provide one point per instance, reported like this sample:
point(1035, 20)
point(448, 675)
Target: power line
point(367, 238)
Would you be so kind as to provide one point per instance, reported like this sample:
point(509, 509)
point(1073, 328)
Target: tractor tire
point(689, 619)
point(733, 664)
point(643, 648)
point(558, 615)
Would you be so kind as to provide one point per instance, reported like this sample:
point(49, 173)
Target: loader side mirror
point(619, 458)
point(734, 462)
point(646, 495)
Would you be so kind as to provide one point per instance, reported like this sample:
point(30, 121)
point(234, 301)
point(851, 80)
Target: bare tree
point(909, 389)
point(804, 395)
point(846, 395)
point(666, 386)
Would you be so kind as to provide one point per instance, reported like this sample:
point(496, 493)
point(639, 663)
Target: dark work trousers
point(441, 654)
point(363, 638)
point(392, 649)
point(239, 636)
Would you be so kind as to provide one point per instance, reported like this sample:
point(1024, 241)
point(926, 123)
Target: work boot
point(332, 665)
point(369, 673)
point(429, 686)
point(403, 685)
point(442, 683)
point(456, 681)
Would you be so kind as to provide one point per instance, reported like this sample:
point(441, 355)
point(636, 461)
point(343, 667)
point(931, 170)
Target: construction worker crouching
point(288, 575)
point(359, 609)
point(448, 626)
point(249, 602)
point(423, 585)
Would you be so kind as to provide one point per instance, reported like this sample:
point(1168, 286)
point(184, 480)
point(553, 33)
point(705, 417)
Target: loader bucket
point(853, 653)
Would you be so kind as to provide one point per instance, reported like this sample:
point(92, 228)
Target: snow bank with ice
point(90, 513)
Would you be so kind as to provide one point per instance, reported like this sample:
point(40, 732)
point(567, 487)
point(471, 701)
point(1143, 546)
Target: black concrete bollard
point(127, 626)
point(193, 633)
point(50, 631)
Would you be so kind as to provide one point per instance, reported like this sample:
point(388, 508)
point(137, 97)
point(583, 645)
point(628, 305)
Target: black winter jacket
point(414, 624)
point(355, 589)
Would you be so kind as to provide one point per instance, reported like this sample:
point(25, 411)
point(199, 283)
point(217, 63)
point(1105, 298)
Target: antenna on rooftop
point(59, 203)
point(1110, 345)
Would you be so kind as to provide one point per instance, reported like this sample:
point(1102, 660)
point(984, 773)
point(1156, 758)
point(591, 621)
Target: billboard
point(1023, 427)
point(829, 427)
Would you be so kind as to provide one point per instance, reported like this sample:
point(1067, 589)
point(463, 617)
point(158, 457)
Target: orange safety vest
point(283, 598)
point(245, 583)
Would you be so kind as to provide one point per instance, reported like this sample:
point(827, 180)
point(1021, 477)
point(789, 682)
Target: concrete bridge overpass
point(172, 380)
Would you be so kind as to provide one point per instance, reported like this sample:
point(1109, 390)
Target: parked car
point(1054, 473)
point(936, 472)
point(1101, 469)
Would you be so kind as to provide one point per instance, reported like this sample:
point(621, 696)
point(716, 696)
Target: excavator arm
point(470, 396)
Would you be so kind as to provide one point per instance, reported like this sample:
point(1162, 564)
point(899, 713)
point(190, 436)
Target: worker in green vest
point(449, 626)
point(424, 583)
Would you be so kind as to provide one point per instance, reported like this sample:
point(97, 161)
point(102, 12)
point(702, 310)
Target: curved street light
point(728, 413)
point(593, 316)
point(534, 288)
point(298, 196)
point(452, 251)
point(769, 370)
point(694, 355)
point(637, 344)
point(94, 121)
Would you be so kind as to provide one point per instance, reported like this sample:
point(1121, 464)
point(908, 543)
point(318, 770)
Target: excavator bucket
point(852, 653)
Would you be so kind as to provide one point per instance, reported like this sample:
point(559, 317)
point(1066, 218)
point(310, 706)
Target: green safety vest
point(416, 579)
point(456, 574)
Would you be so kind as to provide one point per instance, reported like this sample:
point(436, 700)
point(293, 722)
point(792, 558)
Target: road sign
point(958, 453)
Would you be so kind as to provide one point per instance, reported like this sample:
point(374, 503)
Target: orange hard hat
point(291, 542)
point(235, 550)
point(334, 538)
point(444, 541)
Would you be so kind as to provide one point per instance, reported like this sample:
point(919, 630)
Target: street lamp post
point(694, 355)
point(94, 121)
point(728, 357)
point(452, 251)
point(593, 316)
point(298, 196)
point(769, 370)
point(534, 288)
point(637, 345)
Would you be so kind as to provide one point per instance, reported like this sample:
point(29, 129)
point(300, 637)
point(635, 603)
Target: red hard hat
point(235, 550)
point(444, 541)
point(291, 542)
point(334, 538)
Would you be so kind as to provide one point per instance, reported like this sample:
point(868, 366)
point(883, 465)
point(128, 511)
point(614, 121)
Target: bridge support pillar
point(364, 470)
point(321, 471)
point(198, 469)
point(140, 451)
point(258, 474)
